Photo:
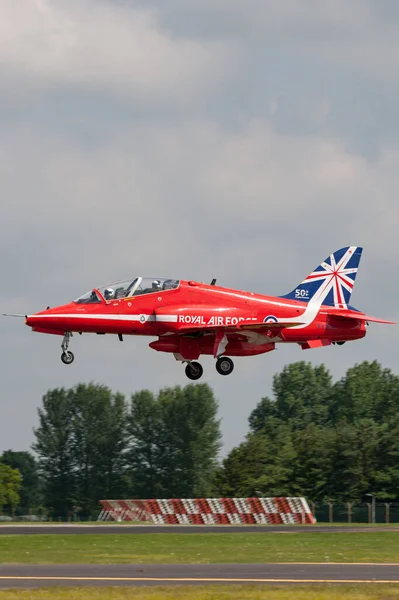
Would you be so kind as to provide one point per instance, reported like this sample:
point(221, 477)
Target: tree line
point(323, 440)
point(315, 438)
point(92, 444)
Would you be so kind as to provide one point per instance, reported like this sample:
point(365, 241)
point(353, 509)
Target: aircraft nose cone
point(32, 320)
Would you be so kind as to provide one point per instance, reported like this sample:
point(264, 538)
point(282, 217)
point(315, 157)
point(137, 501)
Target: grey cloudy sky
point(191, 139)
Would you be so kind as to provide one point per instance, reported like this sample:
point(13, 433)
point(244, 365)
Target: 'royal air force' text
point(214, 320)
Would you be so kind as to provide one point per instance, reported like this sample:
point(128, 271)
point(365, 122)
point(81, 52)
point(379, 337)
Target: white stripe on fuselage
point(162, 318)
point(308, 315)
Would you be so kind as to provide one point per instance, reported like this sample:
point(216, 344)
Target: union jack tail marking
point(331, 283)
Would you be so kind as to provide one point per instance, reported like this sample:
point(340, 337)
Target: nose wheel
point(224, 365)
point(67, 357)
point(194, 370)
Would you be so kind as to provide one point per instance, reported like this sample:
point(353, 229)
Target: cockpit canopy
point(129, 288)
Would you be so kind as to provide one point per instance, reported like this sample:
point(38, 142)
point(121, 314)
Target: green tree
point(340, 440)
point(81, 443)
point(30, 493)
point(302, 395)
point(258, 465)
point(175, 441)
point(313, 461)
point(367, 391)
point(54, 442)
point(10, 484)
point(386, 478)
point(145, 428)
point(98, 444)
point(345, 477)
point(368, 440)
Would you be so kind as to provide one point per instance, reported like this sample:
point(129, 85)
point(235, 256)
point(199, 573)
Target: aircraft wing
point(238, 326)
point(220, 322)
point(210, 319)
point(278, 325)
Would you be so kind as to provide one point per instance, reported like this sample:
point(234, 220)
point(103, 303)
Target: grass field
point(371, 546)
point(364, 592)
point(175, 548)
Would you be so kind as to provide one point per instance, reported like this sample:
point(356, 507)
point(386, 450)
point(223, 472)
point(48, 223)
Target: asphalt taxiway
point(77, 529)
point(28, 576)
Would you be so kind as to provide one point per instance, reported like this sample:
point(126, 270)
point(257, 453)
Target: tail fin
point(332, 282)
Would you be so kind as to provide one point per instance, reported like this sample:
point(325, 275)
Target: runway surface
point(28, 576)
point(142, 529)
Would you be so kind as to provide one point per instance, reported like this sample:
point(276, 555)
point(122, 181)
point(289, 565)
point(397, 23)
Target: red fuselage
point(191, 318)
point(188, 318)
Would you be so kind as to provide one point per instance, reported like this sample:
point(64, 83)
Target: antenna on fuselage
point(213, 281)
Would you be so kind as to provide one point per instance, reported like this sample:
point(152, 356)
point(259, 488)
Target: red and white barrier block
point(206, 511)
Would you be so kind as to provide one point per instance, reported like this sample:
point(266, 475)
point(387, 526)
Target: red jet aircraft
point(191, 318)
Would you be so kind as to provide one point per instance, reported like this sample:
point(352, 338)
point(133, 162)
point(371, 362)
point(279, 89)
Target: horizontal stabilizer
point(377, 320)
point(358, 316)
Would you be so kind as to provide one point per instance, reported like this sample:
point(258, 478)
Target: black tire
point(224, 365)
point(67, 358)
point(194, 370)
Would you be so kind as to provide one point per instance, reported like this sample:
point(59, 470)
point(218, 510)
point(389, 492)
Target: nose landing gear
point(67, 357)
point(194, 370)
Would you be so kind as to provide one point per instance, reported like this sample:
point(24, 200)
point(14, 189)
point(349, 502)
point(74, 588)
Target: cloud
point(360, 35)
point(97, 45)
point(152, 197)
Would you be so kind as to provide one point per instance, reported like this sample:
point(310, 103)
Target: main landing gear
point(67, 357)
point(224, 366)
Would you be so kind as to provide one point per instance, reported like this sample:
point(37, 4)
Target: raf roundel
point(270, 319)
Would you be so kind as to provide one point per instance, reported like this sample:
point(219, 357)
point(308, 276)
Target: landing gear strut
point(66, 357)
point(194, 370)
point(224, 365)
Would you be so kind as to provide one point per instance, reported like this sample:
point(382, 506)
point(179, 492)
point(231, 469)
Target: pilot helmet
point(108, 293)
point(156, 284)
